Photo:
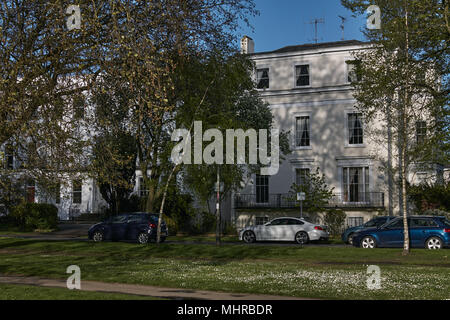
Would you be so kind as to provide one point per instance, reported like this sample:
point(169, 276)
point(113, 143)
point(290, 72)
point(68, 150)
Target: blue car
point(430, 232)
point(347, 235)
point(138, 226)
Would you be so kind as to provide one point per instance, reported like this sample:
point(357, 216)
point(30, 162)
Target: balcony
point(371, 200)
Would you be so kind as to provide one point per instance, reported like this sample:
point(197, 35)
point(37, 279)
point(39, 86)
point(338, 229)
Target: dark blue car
point(139, 226)
point(347, 235)
point(424, 232)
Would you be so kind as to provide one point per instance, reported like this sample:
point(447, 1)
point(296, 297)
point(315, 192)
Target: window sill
point(302, 87)
point(355, 146)
point(303, 148)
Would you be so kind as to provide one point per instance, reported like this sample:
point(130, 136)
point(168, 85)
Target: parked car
point(347, 235)
point(284, 229)
point(138, 226)
point(431, 232)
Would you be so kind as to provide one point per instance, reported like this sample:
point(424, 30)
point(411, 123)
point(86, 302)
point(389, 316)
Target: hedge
point(35, 216)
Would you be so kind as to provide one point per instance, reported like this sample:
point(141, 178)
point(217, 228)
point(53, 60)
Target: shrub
point(427, 196)
point(31, 216)
point(335, 219)
point(205, 223)
point(230, 229)
point(437, 212)
point(172, 225)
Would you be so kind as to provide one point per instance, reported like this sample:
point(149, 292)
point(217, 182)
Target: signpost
point(301, 196)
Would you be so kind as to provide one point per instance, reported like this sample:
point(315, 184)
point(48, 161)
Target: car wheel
point(249, 237)
point(434, 243)
point(350, 239)
point(142, 238)
point(368, 243)
point(97, 236)
point(301, 237)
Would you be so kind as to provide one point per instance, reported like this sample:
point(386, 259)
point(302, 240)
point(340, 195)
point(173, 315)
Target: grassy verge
point(24, 292)
point(315, 272)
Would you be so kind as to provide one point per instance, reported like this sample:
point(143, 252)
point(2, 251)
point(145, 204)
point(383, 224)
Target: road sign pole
point(301, 208)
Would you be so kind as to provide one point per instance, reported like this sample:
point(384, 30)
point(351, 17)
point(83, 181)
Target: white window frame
point(294, 68)
point(347, 137)
point(348, 167)
point(256, 76)
point(294, 130)
point(301, 164)
point(268, 190)
point(262, 66)
point(77, 192)
point(347, 73)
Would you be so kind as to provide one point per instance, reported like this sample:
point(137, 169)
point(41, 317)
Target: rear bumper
point(315, 235)
point(152, 233)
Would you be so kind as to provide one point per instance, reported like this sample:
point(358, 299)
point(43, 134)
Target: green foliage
point(172, 225)
point(430, 196)
point(317, 192)
point(204, 223)
point(178, 207)
point(32, 216)
point(335, 220)
point(437, 212)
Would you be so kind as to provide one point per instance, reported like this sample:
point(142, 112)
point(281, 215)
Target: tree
point(44, 70)
point(403, 81)
point(317, 192)
point(147, 43)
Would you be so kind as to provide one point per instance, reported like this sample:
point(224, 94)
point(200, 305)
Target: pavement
point(142, 290)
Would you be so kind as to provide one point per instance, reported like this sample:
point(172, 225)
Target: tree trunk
point(161, 209)
point(404, 128)
point(218, 209)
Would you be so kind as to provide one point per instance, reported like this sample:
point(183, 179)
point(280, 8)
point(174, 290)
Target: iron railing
point(288, 200)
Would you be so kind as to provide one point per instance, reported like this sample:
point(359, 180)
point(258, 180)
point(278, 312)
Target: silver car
point(285, 229)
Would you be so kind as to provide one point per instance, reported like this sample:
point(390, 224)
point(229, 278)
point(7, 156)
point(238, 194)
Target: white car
point(285, 229)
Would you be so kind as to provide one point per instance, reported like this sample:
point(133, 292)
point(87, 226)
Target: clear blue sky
point(286, 22)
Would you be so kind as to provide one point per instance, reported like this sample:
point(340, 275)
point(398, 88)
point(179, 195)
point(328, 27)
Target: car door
point(294, 226)
point(133, 226)
point(272, 230)
point(392, 234)
point(420, 230)
point(119, 227)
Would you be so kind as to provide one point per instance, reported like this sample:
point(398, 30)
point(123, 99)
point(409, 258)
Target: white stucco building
point(308, 89)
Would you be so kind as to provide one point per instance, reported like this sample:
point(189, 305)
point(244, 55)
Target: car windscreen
point(371, 223)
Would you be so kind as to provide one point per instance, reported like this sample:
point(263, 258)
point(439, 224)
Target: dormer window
point(302, 75)
point(262, 78)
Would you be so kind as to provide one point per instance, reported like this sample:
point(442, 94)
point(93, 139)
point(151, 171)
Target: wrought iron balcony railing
point(287, 200)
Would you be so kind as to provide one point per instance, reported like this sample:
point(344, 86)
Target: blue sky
point(286, 22)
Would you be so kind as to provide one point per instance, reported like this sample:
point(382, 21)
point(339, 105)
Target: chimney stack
point(247, 45)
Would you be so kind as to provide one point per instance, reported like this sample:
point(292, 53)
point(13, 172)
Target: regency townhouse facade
point(308, 88)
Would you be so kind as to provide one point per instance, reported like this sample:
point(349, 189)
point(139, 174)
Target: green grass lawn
point(313, 272)
point(24, 292)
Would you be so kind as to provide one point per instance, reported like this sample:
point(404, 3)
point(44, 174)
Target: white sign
point(301, 196)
